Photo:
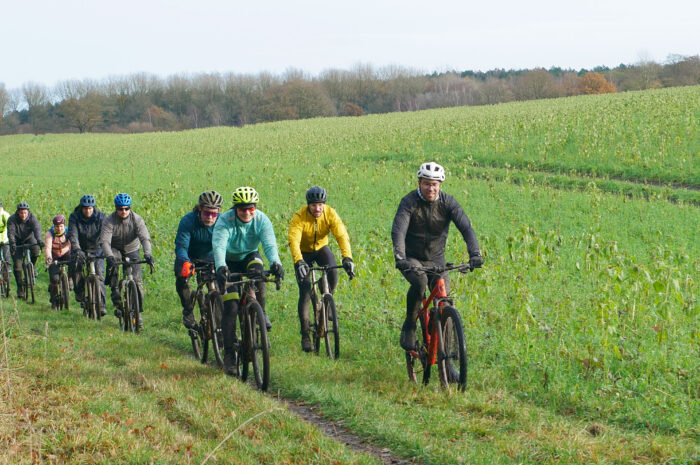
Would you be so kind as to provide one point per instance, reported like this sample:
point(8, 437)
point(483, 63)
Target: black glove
point(41, 244)
point(349, 267)
point(301, 268)
point(277, 270)
point(111, 262)
point(475, 261)
point(80, 257)
point(222, 277)
point(403, 265)
point(149, 258)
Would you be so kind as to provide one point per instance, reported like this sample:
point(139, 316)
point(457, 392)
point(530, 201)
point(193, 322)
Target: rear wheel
point(260, 350)
point(216, 310)
point(331, 337)
point(65, 291)
point(4, 279)
point(454, 363)
point(133, 307)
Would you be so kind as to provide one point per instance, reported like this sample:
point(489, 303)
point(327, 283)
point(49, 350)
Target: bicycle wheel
point(201, 330)
point(216, 307)
point(260, 350)
point(29, 280)
point(4, 279)
point(454, 362)
point(413, 369)
point(90, 298)
point(331, 336)
point(319, 327)
point(65, 291)
point(133, 307)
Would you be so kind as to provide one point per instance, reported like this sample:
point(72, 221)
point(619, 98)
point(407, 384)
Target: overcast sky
point(47, 41)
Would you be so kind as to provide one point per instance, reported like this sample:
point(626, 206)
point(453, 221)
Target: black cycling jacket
point(420, 228)
point(84, 233)
point(27, 232)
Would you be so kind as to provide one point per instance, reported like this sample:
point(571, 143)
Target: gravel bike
point(4, 275)
point(93, 299)
point(211, 308)
point(61, 289)
point(252, 344)
point(131, 298)
point(325, 324)
point(441, 335)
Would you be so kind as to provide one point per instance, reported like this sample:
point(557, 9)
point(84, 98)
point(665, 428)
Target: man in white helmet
point(419, 234)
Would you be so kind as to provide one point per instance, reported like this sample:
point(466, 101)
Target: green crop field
point(583, 327)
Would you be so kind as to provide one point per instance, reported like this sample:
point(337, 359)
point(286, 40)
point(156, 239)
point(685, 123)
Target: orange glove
point(187, 269)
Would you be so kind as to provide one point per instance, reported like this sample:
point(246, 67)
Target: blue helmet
point(88, 201)
point(122, 200)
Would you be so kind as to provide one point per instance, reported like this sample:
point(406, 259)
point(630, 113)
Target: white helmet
point(432, 171)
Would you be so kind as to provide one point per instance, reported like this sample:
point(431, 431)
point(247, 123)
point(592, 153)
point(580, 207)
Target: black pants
point(34, 252)
point(79, 282)
point(323, 257)
point(419, 282)
point(114, 277)
point(231, 297)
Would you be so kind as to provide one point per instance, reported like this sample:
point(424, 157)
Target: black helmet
point(87, 201)
point(23, 206)
point(316, 194)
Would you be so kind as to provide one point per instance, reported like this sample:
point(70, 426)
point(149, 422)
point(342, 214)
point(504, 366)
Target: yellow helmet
point(245, 195)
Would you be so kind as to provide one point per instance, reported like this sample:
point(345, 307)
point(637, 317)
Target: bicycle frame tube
point(439, 292)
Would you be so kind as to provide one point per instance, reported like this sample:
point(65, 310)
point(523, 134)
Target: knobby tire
point(260, 348)
point(65, 291)
point(456, 359)
point(133, 309)
point(216, 310)
point(331, 336)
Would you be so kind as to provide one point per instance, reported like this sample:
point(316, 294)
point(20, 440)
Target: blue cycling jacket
point(193, 240)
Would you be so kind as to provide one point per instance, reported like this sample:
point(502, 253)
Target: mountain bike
point(441, 335)
point(92, 294)
point(131, 298)
point(4, 275)
point(62, 288)
point(211, 307)
point(28, 272)
point(252, 345)
point(325, 324)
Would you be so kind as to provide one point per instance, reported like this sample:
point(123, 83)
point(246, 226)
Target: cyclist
point(84, 229)
point(237, 236)
point(58, 247)
point(308, 241)
point(121, 234)
point(23, 230)
point(4, 245)
point(419, 234)
point(193, 241)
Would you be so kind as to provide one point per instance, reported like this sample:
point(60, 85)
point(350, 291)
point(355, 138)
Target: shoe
point(408, 335)
point(20, 294)
point(188, 319)
point(268, 323)
point(230, 365)
point(306, 345)
point(102, 311)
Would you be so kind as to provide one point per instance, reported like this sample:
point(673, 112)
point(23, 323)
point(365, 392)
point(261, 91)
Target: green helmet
point(245, 195)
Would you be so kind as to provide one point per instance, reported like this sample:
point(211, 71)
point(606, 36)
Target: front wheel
point(90, 298)
point(260, 349)
point(132, 307)
point(29, 280)
point(331, 336)
point(216, 311)
point(4, 279)
point(454, 356)
point(65, 291)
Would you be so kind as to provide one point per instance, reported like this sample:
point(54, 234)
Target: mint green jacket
point(233, 240)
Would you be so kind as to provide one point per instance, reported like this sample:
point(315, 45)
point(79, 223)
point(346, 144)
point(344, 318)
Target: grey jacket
point(124, 235)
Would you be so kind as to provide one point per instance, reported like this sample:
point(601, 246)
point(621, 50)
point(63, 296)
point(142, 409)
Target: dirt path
point(340, 433)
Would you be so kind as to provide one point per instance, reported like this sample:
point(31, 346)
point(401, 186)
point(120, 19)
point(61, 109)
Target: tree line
point(144, 102)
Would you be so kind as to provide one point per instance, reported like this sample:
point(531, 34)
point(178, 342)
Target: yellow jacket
point(308, 233)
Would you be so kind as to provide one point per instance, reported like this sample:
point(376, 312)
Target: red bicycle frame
point(438, 293)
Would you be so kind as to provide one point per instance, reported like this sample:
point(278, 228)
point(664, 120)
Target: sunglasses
point(246, 209)
point(210, 214)
point(124, 209)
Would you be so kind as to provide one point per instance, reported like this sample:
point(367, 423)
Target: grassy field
point(583, 326)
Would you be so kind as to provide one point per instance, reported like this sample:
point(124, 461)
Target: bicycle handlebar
point(128, 261)
point(253, 276)
point(462, 268)
point(326, 268)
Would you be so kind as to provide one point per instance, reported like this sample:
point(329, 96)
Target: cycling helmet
point(316, 194)
point(432, 171)
point(87, 201)
point(23, 206)
point(59, 219)
point(210, 199)
point(122, 200)
point(245, 195)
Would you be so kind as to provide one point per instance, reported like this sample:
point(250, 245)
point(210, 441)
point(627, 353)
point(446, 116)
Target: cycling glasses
point(124, 209)
point(210, 214)
point(250, 209)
